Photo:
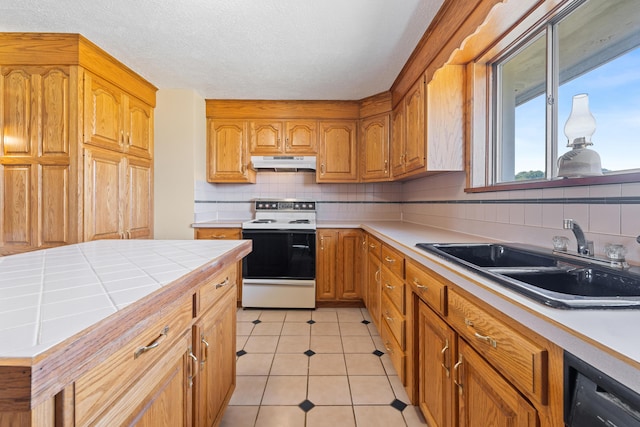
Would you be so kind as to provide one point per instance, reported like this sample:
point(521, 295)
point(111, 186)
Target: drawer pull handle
point(220, 236)
point(444, 357)
point(372, 246)
point(140, 351)
point(206, 350)
point(377, 276)
point(388, 316)
point(388, 286)
point(389, 260)
point(223, 283)
point(487, 339)
point(456, 373)
point(418, 285)
point(387, 346)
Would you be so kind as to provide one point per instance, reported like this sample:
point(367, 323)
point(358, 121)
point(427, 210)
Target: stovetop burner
point(299, 221)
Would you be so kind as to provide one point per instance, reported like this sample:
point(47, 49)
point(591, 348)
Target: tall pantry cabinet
point(76, 144)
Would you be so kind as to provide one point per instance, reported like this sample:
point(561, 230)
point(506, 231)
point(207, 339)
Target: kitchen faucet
point(585, 247)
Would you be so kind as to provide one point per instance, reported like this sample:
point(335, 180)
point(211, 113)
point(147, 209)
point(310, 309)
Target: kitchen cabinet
point(392, 307)
point(428, 125)
point(37, 198)
point(270, 137)
point(472, 365)
point(228, 157)
point(224, 234)
point(374, 149)
point(373, 282)
point(53, 114)
point(337, 152)
point(214, 338)
point(118, 196)
point(338, 265)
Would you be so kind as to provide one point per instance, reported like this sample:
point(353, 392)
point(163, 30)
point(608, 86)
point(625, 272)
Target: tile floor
point(314, 368)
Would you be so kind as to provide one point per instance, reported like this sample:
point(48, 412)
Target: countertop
point(607, 339)
point(49, 295)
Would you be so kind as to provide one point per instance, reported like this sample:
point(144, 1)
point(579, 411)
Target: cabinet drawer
point(100, 387)
point(394, 260)
point(511, 353)
point(394, 320)
point(394, 350)
point(215, 287)
point(427, 286)
point(393, 288)
point(218, 233)
point(375, 246)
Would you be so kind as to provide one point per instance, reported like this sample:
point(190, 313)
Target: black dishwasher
point(593, 399)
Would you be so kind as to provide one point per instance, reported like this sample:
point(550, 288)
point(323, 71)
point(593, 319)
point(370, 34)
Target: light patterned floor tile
point(378, 416)
point(249, 390)
point(240, 416)
point(290, 364)
point(331, 416)
point(285, 390)
point(280, 416)
point(329, 390)
point(327, 364)
point(371, 390)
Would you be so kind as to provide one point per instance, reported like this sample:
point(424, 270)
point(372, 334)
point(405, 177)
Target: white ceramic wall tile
point(604, 219)
point(612, 190)
point(516, 214)
point(552, 216)
point(579, 213)
point(533, 214)
point(630, 220)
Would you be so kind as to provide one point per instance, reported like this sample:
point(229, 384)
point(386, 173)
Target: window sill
point(566, 182)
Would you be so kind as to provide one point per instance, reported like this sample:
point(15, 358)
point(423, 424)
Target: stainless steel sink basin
point(547, 277)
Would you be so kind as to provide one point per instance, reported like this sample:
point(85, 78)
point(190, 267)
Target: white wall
point(180, 129)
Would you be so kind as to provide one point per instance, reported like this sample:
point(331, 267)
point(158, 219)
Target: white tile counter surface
point(47, 296)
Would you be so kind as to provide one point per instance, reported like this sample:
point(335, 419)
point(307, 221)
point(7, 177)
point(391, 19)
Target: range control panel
point(273, 205)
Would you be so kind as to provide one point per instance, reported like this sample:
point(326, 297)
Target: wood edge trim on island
point(56, 368)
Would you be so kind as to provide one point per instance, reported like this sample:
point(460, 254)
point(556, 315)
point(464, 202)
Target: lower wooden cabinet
point(215, 338)
point(339, 265)
point(230, 233)
point(176, 370)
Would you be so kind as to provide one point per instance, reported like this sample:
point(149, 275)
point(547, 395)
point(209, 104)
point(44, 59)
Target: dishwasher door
point(593, 399)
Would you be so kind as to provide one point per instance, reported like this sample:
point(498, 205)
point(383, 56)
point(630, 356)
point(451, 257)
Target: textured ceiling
point(244, 49)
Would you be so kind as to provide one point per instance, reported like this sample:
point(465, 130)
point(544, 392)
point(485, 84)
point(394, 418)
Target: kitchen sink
point(548, 277)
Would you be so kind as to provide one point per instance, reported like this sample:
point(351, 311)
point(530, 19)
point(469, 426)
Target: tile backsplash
point(607, 213)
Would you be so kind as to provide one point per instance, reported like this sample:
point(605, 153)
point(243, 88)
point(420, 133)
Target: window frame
point(527, 19)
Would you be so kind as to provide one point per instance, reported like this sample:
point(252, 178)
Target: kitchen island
point(113, 331)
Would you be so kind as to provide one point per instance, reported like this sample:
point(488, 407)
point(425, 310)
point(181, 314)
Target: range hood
point(284, 163)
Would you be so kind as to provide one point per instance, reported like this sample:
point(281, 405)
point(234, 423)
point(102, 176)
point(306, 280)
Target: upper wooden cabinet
point(65, 97)
point(374, 148)
point(337, 153)
point(115, 120)
point(228, 152)
point(428, 126)
point(270, 137)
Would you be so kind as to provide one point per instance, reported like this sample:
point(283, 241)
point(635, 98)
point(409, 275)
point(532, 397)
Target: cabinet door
point(349, 262)
point(373, 288)
point(398, 141)
point(215, 336)
point(139, 128)
point(486, 397)
point(301, 137)
point(103, 114)
point(266, 137)
point(445, 119)
point(326, 264)
point(228, 152)
point(375, 148)
point(415, 135)
point(104, 183)
point(436, 349)
point(35, 204)
point(338, 152)
point(139, 208)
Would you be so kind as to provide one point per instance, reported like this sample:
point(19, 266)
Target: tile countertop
point(47, 296)
point(607, 339)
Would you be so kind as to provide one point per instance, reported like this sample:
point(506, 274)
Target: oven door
point(280, 254)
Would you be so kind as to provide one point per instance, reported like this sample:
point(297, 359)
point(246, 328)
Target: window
point(590, 47)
